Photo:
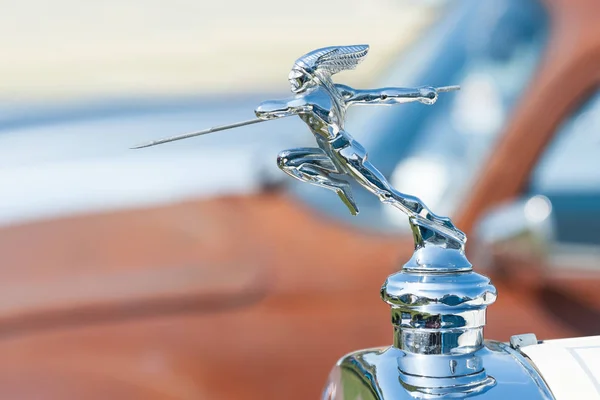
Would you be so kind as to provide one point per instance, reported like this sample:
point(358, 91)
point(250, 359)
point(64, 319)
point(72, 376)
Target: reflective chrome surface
point(379, 374)
point(438, 313)
point(322, 105)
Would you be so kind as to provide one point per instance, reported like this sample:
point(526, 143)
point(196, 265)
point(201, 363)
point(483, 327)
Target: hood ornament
point(322, 105)
point(438, 303)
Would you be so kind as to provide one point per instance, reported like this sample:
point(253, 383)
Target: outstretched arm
point(424, 94)
point(272, 109)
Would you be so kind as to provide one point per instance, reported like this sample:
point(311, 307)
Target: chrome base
point(381, 374)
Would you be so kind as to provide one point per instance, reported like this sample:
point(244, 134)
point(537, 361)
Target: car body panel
point(570, 367)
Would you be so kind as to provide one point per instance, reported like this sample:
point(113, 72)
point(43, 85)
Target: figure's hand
point(265, 112)
point(428, 95)
point(277, 109)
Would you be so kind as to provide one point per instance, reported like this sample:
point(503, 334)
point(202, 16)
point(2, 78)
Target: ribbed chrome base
point(438, 341)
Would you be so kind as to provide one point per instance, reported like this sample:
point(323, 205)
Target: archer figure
point(322, 105)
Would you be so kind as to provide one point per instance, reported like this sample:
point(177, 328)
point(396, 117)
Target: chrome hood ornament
point(438, 303)
point(322, 105)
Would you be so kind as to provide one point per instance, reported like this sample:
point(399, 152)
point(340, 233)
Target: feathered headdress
point(332, 59)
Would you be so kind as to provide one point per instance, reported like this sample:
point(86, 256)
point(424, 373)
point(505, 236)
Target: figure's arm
point(423, 94)
point(272, 109)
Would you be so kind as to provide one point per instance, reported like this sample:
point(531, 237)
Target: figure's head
point(322, 63)
point(300, 80)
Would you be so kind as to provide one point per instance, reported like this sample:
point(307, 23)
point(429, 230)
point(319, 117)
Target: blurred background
point(197, 269)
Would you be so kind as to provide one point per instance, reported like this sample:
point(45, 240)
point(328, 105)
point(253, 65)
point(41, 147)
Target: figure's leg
point(312, 165)
point(390, 195)
point(374, 181)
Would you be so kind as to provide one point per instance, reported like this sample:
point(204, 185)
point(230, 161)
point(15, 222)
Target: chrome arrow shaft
point(441, 89)
point(204, 132)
